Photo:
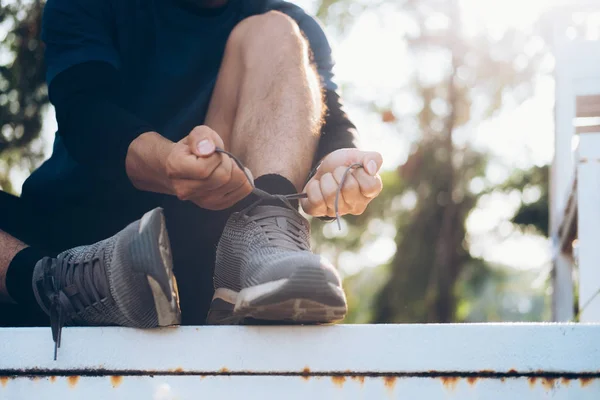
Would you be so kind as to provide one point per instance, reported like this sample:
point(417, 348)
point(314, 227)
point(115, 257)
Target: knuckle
point(170, 167)
point(182, 194)
point(357, 210)
point(198, 132)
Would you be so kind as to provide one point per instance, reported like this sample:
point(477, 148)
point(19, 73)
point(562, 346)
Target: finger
point(236, 189)
point(239, 177)
point(218, 200)
point(350, 194)
point(237, 195)
point(186, 189)
point(184, 165)
point(370, 186)
point(203, 140)
point(314, 204)
point(249, 175)
point(329, 190)
point(220, 176)
point(372, 162)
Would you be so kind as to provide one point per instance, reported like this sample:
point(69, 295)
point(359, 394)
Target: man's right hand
point(199, 174)
point(190, 169)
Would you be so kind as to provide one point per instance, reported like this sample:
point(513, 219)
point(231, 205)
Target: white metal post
point(588, 193)
point(561, 176)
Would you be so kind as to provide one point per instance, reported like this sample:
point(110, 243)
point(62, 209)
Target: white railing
point(575, 177)
point(477, 361)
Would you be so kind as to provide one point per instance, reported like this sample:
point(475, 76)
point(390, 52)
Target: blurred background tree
point(427, 201)
point(23, 94)
point(433, 277)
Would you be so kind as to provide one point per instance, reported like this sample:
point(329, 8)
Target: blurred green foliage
point(433, 277)
point(23, 94)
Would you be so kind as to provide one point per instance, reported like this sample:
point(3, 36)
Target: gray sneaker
point(265, 271)
point(125, 280)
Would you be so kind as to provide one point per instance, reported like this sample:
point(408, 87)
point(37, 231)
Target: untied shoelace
point(262, 195)
point(57, 316)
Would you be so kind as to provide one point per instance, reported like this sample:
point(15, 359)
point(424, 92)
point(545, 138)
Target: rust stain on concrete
point(338, 380)
point(548, 383)
point(72, 380)
point(585, 381)
point(359, 378)
point(390, 382)
point(449, 382)
point(532, 381)
point(306, 373)
point(116, 381)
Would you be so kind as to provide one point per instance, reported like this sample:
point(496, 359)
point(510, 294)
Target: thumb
point(372, 162)
point(203, 141)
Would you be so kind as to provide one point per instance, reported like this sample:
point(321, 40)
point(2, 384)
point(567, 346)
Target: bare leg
point(9, 247)
point(267, 104)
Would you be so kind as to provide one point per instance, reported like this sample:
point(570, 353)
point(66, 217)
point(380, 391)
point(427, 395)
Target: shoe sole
point(151, 251)
point(304, 298)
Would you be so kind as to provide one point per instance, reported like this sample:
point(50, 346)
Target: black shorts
point(193, 232)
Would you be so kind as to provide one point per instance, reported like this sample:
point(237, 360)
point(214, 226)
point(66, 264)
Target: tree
point(480, 72)
point(23, 93)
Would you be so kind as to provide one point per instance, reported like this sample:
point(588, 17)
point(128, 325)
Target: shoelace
point(288, 236)
point(62, 305)
point(262, 195)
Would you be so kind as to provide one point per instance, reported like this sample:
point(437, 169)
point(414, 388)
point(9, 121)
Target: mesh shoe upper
point(101, 284)
point(264, 244)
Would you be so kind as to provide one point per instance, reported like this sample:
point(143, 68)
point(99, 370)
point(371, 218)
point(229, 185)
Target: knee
point(272, 36)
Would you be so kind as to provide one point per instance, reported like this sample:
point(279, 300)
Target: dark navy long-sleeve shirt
point(118, 68)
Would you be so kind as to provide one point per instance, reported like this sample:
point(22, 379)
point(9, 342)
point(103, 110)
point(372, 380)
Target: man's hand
point(203, 176)
point(360, 187)
point(189, 169)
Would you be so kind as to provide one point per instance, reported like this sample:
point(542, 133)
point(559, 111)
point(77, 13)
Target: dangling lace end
point(57, 325)
point(54, 323)
point(60, 326)
point(339, 191)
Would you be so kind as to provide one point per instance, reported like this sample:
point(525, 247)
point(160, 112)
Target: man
point(174, 105)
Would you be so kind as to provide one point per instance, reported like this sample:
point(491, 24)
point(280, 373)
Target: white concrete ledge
point(479, 349)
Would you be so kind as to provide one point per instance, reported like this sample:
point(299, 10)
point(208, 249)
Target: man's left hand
point(360, 187)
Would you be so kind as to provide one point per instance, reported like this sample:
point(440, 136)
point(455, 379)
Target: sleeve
point(83, 84)
point(95, 128)
point(76, 32)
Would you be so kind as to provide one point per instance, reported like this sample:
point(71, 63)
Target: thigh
point(194, 234)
